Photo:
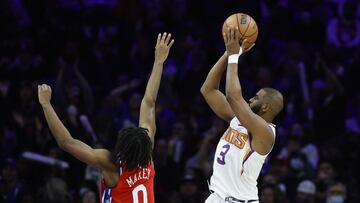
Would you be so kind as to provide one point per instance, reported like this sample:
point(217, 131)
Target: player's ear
point(265, 107)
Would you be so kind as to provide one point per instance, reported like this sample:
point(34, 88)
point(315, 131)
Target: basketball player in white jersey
point(244, 146)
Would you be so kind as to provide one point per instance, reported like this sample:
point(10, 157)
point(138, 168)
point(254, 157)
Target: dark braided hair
point(133, 149)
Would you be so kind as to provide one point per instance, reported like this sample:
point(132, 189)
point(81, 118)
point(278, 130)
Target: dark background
point(97, 55)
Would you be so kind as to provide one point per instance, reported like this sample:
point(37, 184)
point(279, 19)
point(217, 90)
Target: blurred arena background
point(96, 54)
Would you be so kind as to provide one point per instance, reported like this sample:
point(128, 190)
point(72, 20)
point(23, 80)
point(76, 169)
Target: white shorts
point(215, 198)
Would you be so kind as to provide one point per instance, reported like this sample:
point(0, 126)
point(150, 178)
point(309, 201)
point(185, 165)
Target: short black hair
point(274, 98)
point(133, 149)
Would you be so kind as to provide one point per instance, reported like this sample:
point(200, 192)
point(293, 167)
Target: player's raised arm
point(147, 109)
point(96, 157)
point(263, 137)
point(213, 96)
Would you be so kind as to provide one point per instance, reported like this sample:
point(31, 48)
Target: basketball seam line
point(247, 28)
point(252, 34)
point(238, 24)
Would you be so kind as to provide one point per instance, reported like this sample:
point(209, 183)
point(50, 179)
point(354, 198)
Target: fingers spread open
point(171, 43)
point(158, 39)
point(225, 38)
point(237, 36)
point(168, 37)
point(163, 37)
point(232, 33)
point(228, 34)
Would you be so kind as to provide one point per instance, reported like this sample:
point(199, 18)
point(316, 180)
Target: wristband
point(234, 58)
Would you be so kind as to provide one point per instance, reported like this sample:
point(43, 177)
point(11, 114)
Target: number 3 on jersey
point(135, 194)
point(221, 159)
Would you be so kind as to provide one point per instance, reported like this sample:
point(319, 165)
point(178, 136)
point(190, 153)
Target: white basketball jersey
point(236, 165)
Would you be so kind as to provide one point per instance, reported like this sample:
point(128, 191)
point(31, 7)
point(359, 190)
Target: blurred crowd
point(97, 55)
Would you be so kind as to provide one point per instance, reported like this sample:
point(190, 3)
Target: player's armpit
point(262, 135)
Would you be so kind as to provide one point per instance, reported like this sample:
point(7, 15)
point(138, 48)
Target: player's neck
point(268, 118)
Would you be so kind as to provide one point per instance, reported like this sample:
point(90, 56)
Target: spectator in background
point(177, 143)
point(165, 166)
point(88, 196)
point(344, 30)
point(271, 194)
point(336, 193)
point(72, 90)
point(203, 159)
point(55, 191)
point(353, 123)
point(325, 177)
point(10, 185)
point(114, 107)
point(267, 195)
point(130, 118)
point(188, 191)
point(306, 191)
point(328, 99)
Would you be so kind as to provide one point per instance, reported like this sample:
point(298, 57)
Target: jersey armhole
point(104, 181)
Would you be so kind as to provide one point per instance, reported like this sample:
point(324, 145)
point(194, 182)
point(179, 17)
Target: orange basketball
point(247, 27)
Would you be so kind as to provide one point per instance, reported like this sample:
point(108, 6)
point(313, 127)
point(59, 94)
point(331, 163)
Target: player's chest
point(238, 137)
point(232, 147)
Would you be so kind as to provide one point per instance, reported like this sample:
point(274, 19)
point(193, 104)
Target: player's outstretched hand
point(163, 45)
point(44, 94)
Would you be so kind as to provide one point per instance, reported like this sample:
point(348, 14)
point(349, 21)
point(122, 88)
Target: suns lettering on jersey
point(236, 138)
point(142, 174)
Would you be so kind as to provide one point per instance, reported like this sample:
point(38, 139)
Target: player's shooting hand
point(231, 40)
point(163, 45)
point(44, 94)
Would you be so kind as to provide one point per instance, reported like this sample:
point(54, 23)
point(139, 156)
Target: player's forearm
point(233, 88)
point(57, 128)
point(153, 84)
point(214, 77)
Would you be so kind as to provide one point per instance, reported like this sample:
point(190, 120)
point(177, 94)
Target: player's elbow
point(203, 90)
point(64, 144)
point(148, 101)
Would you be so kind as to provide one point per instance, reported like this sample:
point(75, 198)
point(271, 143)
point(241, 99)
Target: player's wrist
point(45, 105)
point(159, 61)
point(234, 57)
